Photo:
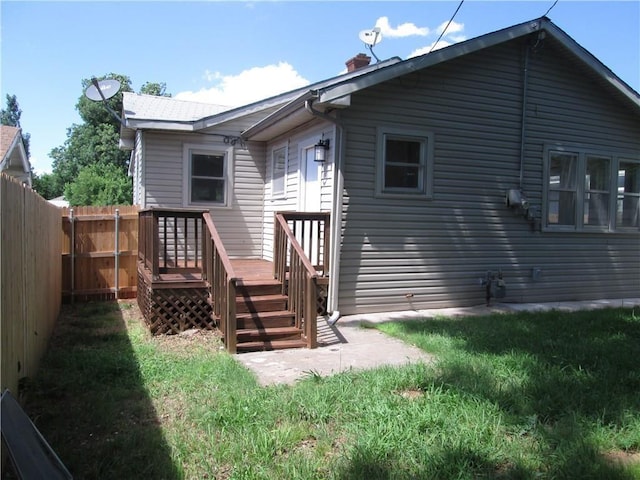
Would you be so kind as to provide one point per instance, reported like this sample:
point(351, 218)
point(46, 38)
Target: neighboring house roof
point(166, 113)
point(59, 201)
point(13, 156)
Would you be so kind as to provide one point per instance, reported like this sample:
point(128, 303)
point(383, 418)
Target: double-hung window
point(405, 163)
point(587, 190)
point(279, 172)
point(206, 176)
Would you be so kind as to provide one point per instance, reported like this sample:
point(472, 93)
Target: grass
point(526, 396)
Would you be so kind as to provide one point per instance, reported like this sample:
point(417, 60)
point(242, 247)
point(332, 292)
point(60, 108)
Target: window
point(628, 200)
point(590, 191)
point(405, 163)
point(206, 176)
point(279, 172)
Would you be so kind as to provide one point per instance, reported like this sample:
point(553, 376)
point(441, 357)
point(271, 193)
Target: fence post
point(116, 253)
point(72, 252)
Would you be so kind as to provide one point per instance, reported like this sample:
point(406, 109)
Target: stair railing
point(222, 282)
point(301, 283)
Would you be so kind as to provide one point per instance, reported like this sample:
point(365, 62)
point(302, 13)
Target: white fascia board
point(136, 124)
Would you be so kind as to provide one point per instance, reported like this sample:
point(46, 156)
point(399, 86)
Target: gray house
point(512, 155)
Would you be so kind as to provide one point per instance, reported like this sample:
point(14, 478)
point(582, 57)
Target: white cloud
point(429, 48)
point(455, 27)
point(248, 86)
point(451, 36)
point(404, 30)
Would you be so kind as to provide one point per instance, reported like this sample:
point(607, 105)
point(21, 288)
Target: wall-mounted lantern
point(320, 150)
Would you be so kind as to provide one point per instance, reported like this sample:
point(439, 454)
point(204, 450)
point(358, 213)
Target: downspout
point(523, 121)
point(336, 217)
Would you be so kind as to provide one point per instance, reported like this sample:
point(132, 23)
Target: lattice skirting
point(321, 301)
point(174, 310)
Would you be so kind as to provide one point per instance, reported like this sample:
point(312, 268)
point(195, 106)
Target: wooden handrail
point(301, 285)
point(222, 281)
point(295, 245)
point(216, 238)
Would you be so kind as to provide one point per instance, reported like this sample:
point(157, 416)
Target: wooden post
point(311, 320)
point(155, 253)
point(116, 253)
point(72, 252)
point(231, 335)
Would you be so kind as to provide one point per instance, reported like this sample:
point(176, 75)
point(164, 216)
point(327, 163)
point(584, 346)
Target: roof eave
point(418, 63)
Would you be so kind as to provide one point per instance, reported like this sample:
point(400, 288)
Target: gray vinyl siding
point(239, 223)
point(291, 200)
point(400, 254)
point(137, 155)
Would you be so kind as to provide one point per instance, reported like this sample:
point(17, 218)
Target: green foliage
point(94, 143)
point(157, 89)
point(11, 117)
point(45, 185)
point(99, 184)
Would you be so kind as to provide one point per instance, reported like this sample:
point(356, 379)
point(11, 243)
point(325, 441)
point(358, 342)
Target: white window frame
point(582, 153)
point(204, 149)
point(281, 194)
point(425, 167)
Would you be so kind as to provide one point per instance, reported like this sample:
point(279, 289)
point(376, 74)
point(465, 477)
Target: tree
point(99, 184)
point(11, 117)
point(157, 89)
point(94, 143)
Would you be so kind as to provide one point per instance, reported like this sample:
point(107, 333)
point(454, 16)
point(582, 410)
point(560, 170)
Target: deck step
point(279, 318)
point(273, 345)
point(258, 287)
point(260, 303)
point(268, 334)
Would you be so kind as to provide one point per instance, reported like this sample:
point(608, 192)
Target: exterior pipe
point(523, 121)
point(335, 316)
point(336, 217)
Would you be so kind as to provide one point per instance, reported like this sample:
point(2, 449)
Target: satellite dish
point(371, 37)
point(102, 90)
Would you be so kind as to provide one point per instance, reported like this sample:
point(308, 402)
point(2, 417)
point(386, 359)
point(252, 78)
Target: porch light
point(320, 150)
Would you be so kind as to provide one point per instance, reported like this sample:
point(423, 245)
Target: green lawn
point(545, 395)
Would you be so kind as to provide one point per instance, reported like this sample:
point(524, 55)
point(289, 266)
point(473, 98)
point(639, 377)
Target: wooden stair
point(263, 321)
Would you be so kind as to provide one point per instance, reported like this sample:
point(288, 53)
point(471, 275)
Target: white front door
point(309, 182)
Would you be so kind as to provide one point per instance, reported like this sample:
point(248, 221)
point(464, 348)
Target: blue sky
point(237, 52)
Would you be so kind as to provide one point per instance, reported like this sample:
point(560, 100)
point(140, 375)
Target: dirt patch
point(180, 344)
point(411, 393)
point(620, 457)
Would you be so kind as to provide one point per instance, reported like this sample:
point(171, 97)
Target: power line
point(448, 23)
point(551, 7)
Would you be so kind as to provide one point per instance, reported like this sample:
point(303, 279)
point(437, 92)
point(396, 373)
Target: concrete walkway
point(347, 345)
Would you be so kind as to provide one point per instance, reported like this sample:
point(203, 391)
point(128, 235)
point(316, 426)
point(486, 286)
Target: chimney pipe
point(359, 61)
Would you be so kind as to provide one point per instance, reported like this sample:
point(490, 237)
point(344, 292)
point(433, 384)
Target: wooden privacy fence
point(30, 280)
point(99, 251)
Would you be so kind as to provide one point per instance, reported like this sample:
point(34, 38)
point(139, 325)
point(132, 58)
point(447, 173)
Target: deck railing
point(222, 282)
point(301, 255)
point(170, 241)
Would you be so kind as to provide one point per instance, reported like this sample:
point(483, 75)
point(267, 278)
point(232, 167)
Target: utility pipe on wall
point(336, 217)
